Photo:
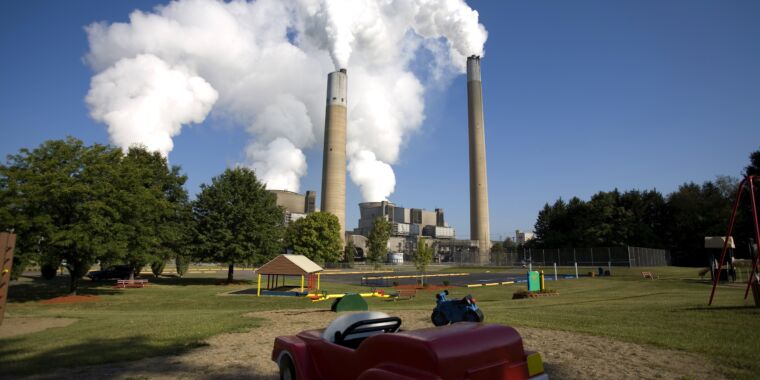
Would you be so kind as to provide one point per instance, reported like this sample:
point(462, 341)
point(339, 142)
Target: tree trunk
point(73, 282)
point(230, 272)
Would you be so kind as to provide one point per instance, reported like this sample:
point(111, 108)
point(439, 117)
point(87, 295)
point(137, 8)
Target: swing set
point(747, 183)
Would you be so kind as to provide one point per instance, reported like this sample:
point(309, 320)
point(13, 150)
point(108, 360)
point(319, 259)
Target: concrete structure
point(479, 224)
point(410, 222)
point(334, 155)
point(296, 205)
point(523, 237)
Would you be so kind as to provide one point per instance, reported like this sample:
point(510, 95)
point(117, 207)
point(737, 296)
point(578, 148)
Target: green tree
point(350, 253)
point(377, 242)
point(237, 220)
point(754, 165)
point(422, 257)
point(63, 202)
point(316, 236)
point(155, 208)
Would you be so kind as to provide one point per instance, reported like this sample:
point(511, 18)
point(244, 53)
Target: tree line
point(678, 221)
point(76, 205)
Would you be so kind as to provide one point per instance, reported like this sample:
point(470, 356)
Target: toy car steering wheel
point(390, 324)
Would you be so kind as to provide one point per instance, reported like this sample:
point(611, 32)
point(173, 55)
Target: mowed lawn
point(173, 315)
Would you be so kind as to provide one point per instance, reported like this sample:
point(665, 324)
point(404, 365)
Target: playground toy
point(452, 311)
point(749, 183)
point(371, 346)
point(349, 302)
point(316, 297)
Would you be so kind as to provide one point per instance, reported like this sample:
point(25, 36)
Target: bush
point(183, 264)
point(49, 270)
point(157, 267)
point(446, 282)
point(19, 264)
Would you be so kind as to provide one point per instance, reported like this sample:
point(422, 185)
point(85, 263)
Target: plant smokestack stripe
point(479, 225)
point(334, 155)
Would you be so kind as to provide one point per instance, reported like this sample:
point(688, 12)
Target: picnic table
point(136, 283)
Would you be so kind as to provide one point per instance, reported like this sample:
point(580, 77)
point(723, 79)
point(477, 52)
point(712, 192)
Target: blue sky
point(579, 96)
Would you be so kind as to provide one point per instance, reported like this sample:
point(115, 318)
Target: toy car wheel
point(287, 369)
point(438, 318)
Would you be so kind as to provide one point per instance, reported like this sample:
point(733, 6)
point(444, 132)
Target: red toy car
point(370, 346)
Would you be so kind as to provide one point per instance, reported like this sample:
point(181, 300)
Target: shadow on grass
point(748, 308)
point(109, 358)
point(34, 288)
point(186, 281)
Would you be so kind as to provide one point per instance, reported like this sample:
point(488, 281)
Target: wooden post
point(318, 276)
point(7, 243)
point(258, 286)
point(302, 283)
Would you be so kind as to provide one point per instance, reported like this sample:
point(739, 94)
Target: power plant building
point(296, 205)
point(411, 222)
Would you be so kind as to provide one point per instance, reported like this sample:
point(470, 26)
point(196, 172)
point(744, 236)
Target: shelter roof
point(287, 264)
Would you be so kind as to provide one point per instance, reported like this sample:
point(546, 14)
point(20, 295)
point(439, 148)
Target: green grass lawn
point(176, 314)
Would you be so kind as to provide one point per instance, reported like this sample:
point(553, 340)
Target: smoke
point(264, 64)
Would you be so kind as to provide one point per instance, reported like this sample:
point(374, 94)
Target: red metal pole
point(731, 221)
point(757, 232)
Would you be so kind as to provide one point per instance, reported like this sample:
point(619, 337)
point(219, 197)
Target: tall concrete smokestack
point(334, 155)
point(479, 225)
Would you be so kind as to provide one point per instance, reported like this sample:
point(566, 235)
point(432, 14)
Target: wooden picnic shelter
point(288, 265)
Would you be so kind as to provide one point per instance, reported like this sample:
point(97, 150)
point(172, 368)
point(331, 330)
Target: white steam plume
point(263, 64)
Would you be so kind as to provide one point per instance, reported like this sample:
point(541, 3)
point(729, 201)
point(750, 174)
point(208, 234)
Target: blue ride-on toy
point(451, 311)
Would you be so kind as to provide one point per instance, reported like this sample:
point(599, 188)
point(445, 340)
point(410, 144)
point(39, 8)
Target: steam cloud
point(263, 65)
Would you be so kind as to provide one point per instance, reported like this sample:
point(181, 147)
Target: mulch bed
point(70, 299)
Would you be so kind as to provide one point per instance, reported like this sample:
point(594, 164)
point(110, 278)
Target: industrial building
point(412, 222)
point(296, 205)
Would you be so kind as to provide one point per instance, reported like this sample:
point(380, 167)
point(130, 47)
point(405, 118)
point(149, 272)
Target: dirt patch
point(70, 299)
point(20, 326)
point(247, 355)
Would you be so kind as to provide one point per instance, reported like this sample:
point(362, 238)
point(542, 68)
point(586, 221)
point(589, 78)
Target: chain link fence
point(599, 256)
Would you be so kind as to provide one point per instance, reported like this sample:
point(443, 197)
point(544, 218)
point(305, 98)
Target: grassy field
point(173, 315)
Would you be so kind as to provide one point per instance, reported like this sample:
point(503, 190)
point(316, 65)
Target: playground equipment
point(371, 345)
point(349, 302)
point(316, 297)
point(284, 266)
point(451, 311)
point(747, 183)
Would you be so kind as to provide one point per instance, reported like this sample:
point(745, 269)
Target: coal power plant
point(479, 225)
point(334, 154)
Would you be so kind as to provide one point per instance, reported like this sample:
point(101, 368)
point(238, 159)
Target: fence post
point(555, 271)
point(630, 263)
point(592, 258)
point(576, 269)
point(530, 260)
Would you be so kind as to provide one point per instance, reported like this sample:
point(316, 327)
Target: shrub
point(446, 282)
point(157, 267)
point(183, 264)
point(19, 264)
point(49, 270)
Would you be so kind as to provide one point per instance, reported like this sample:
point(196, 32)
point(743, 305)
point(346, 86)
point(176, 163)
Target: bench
point(131, 283)
point(405, 293)
point(648, 275)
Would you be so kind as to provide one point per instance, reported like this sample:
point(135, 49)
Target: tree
point(350, 253)
point(422, 257)
point(377, 241)
point(754, 166)
point(154, 207)
point(62, 200)
point(238, 220)
point(316, 236)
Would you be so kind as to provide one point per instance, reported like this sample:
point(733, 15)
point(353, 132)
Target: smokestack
point(334, 155)
point(479, 225)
